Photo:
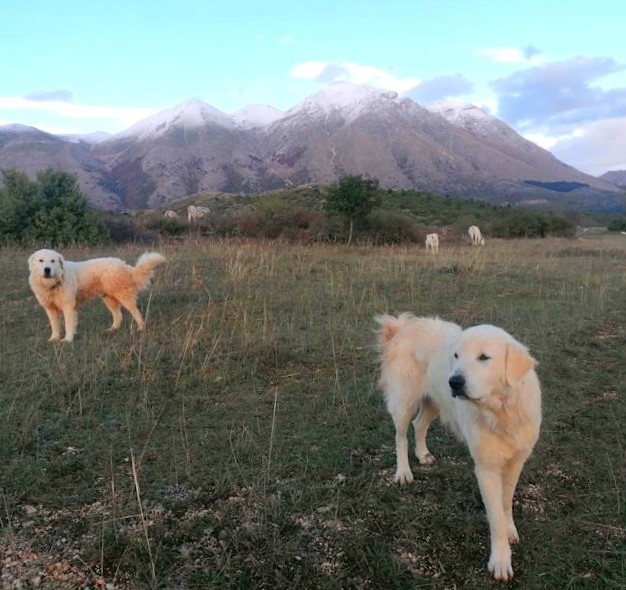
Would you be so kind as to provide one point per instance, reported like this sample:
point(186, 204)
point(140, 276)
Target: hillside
point(446, 149)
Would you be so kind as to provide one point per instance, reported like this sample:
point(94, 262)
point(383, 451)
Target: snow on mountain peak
point(471, 118)
point(19, 128)
point(189, 113)
point(256, 115)
point(457, 110)
point(350, 99)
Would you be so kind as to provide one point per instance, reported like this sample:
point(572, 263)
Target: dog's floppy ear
point(517, 362)
point(61, 267)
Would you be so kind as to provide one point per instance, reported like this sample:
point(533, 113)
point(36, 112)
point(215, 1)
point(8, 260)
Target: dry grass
point(241, 443)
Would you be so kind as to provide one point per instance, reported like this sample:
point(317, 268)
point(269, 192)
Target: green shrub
point(49, 210)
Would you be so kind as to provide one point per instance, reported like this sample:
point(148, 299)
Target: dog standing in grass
point(482, 383)
point(61, 286)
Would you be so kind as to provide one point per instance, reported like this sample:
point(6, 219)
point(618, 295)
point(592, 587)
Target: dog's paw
point(426, 459)
point(512, 533)
point(54, 338)
point(113, 328)
point(66, 339)
point(500, 567)
point(403, 477)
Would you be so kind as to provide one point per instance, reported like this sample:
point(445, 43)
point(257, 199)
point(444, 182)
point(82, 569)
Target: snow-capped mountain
point(347, 100)
point(256, 115)
point(188, 114)
point(474, 120)
point(448, 148)
point(95, 137)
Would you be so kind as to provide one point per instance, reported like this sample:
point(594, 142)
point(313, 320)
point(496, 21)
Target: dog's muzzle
point(457, 385)
point(47, 272)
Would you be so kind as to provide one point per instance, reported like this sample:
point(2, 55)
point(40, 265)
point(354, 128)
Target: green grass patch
point(247, 420)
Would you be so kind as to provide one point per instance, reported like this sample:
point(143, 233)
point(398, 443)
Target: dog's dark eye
point(456, 356)
point(52, 261)
point(483, 357)
point(40, 260)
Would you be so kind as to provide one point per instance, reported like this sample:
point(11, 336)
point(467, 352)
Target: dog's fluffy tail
point(389, 326)
point(144, 268)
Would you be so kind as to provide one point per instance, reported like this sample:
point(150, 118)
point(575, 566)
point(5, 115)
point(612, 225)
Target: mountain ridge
point(455, 149)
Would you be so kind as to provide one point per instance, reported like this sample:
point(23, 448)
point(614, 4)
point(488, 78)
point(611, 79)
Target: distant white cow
point(432, 243)
point(195, 212)
point(476, 237)
point(171, 214)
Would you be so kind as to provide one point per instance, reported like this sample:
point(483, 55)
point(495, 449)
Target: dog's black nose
point(46, 270)
point(457, 384)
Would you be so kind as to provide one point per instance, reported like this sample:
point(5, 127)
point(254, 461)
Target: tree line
point(50, 209)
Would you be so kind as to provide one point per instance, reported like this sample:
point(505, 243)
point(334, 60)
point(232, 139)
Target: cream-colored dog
point(482, 383)
point(61, 286)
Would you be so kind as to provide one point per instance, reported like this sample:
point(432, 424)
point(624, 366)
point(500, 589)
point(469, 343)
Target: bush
point(391, 227)
point(167, 226)
point(50, 210)
point(618, 224)
point(532, 224)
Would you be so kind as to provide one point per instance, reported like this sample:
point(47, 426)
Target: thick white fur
point(476, 237)
point(499, 419)
point(432, 243)
point(66, 285)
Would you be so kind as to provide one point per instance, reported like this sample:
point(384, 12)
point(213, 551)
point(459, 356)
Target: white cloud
point(510, 55)
point(328, 72)
point(118, 118)
point(596, 147)
point(308, 70)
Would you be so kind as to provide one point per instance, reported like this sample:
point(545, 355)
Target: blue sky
point(554, 70)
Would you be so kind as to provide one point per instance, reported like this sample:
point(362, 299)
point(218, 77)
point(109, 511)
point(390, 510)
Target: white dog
point(61, 286)
point(432, 243)
point(482, 383)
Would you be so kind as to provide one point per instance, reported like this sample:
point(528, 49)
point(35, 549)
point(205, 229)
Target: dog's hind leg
point(113, 305)
point(129, 302)
point(428, 412)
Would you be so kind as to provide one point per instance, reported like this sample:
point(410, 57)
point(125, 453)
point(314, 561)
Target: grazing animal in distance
point(195, 212)
point(432, 243)
point(171, 214)
point(476, 237)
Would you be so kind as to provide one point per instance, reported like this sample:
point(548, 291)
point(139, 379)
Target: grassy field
point(241, 442)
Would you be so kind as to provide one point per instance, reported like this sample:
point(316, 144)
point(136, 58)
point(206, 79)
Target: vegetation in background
point(368, 214)
point(617, 224)
point(353, 198)
point(49, 210)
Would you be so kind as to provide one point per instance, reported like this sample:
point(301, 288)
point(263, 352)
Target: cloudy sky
point(554, 70)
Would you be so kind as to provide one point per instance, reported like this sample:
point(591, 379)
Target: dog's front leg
point(70, 316)
point(491, 490)
point(404, 475)
point(55, 323)
point(511, 475)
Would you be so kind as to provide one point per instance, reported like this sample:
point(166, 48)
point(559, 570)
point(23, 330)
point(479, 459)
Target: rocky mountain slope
point(616, 177)
point(454, 149)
